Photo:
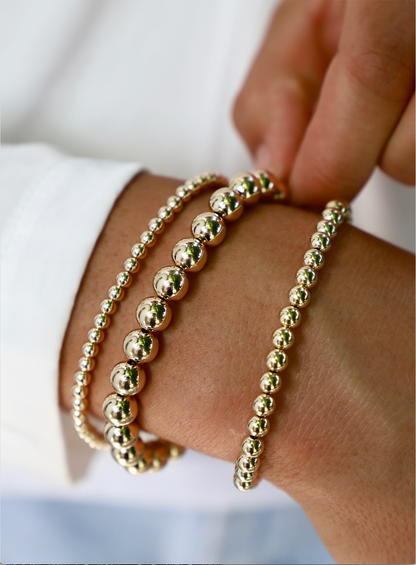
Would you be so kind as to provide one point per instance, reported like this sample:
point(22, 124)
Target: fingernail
point(264, 160)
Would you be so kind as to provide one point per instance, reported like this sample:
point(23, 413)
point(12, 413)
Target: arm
point(341, 441)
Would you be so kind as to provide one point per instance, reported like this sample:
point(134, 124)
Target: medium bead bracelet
point(108, 306)
point(247, 465)
point(154, 314)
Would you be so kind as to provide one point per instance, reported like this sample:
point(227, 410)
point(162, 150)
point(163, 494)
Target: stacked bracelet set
point(153, 314)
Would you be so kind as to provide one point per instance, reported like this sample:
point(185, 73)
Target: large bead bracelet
point(247, 465)
point(154, 314)
point(155, 453)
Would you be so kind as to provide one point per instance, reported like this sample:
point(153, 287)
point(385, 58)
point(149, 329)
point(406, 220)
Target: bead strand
point(116, 293)
point(248, 463)
point(154, 314)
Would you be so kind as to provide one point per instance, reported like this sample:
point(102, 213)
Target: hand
point(331, 95)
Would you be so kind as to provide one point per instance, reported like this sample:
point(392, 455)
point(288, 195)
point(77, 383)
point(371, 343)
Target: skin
point(342, 436)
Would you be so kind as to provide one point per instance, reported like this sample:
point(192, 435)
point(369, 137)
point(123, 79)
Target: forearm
point(343, 425)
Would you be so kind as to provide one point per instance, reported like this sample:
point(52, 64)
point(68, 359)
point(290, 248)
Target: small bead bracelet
point(247, 465)
point(155, 454)
point(154, 314)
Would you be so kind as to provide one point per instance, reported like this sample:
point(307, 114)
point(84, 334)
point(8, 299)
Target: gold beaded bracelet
point(156, 453)
point(247, 465)
point(153, 314)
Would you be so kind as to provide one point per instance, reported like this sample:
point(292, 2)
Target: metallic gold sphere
point(208, 228)
point(166, 214)
point(327, 228)
point(90, 349)
point(245, 475)
point(115, 293)
point(320, 241)
point(79, 391)
point(79, 417)
point(184, 194)
point(306, 277)
point(156, 225)
point(148, 238)
point(138, 251)
point(95, 335)
point(194, 185)
point(341, 206)
point(283, 338)
point(190, 254)
point(227, 203)
point(86, 364)
point(242, 485)
point(127, 378)
point(82, 379)
point(108, 306)
point(121, 438)
point(119, 410)
point(124, 279)
point(314, 259)
point(290, 317)
point(248, 187)
point(130, 456)
point(140, 346)
point(333, 216)
point(153, 314)
point(248, 463)
point(159, 455)
point(171, 283)
point(270, 383)
point(175, 203)
point(277, 360)
point(101, 321)
point(299, 296)
point(258, 427)
point(264, 405)
point(252, 447)
point(143, 463)
point(271, 188)
point(131, 265)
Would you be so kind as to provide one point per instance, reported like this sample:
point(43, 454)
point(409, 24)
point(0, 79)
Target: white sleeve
point(52, 211)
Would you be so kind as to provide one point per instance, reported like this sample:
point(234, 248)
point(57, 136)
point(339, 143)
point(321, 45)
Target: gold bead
point(78, 417)
point(131, 265)
point(248, 187)
point(79, 391)
point(320, 241)
point(183, 193)
point(264, 405)
point(130, 456)
point(252, 447)
point(327, 228)
point(271, 188)
point(127, 378)
point(124, 279)
point(194, 185)
point(270, 383)
point(209, 228)
point(119, 410)
point(299, 296)
point(290, 317)
point(148, 238)
point(89, 349)
point(101, 321)
point(115, 293)
point(139, 251)
point(108, 306)
point(156, 225)
point(143, 463)
point(121, 438)
point(153, 314)
point(95, 335)
point(245, 475)
point(173, 450)
point(140, 346)
point(283, 338)
point(227, 204)
point(242, 485)
point(159, 455)
point(86, 364)
point(306, 277)
point(189, 254)
point(314, 259)
point(175, 203)
point(333, 216)
point(258, 427)
point(341, 206)
point(171, 283)
point(80, 404)
point(165, 213)
point(248, 463)
point(82, 379)
point(277, 360)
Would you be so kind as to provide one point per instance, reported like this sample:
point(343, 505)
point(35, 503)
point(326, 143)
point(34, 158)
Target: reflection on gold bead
point(82, 379)
point(89, 349)
point(108, 306)
point(341, 206)
point(271, 188)
point(248, 463)
point(101, 321)
point(171, 283)
point(86, 364)
point(290, 317)
point(166, 214)
point(270, 383)
point(124, 279)
point(252, 447)
point(159, 455)
point(244, 476)
point(227, 204)
point(183, 193)
point(127, 378)
point(333, 216)
point(320, 241)
point(95, 335)
point(154, 314)
point(175, 203)
point(79, 391)
point(327, 228)
point(247, 187)
point(139, 251)
point(130, 456)
point(123, 437)
point(148, 238)
point(143, 463)
point(78, 417)
point(314, 259)
point(306, 277)
point(115, 293)
point(242, 485)
point(209, 228)
point(131, 265)
point(283, 338)
point(119, 410)
point(257, 427)
point(189, 254)
point(277, 360)
point(299, 296)
point(264, 405)
point(141, 346)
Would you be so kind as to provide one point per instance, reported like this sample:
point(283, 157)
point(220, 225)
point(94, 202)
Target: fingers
point(365, 91)
point(398, 158)
point(277, 100)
